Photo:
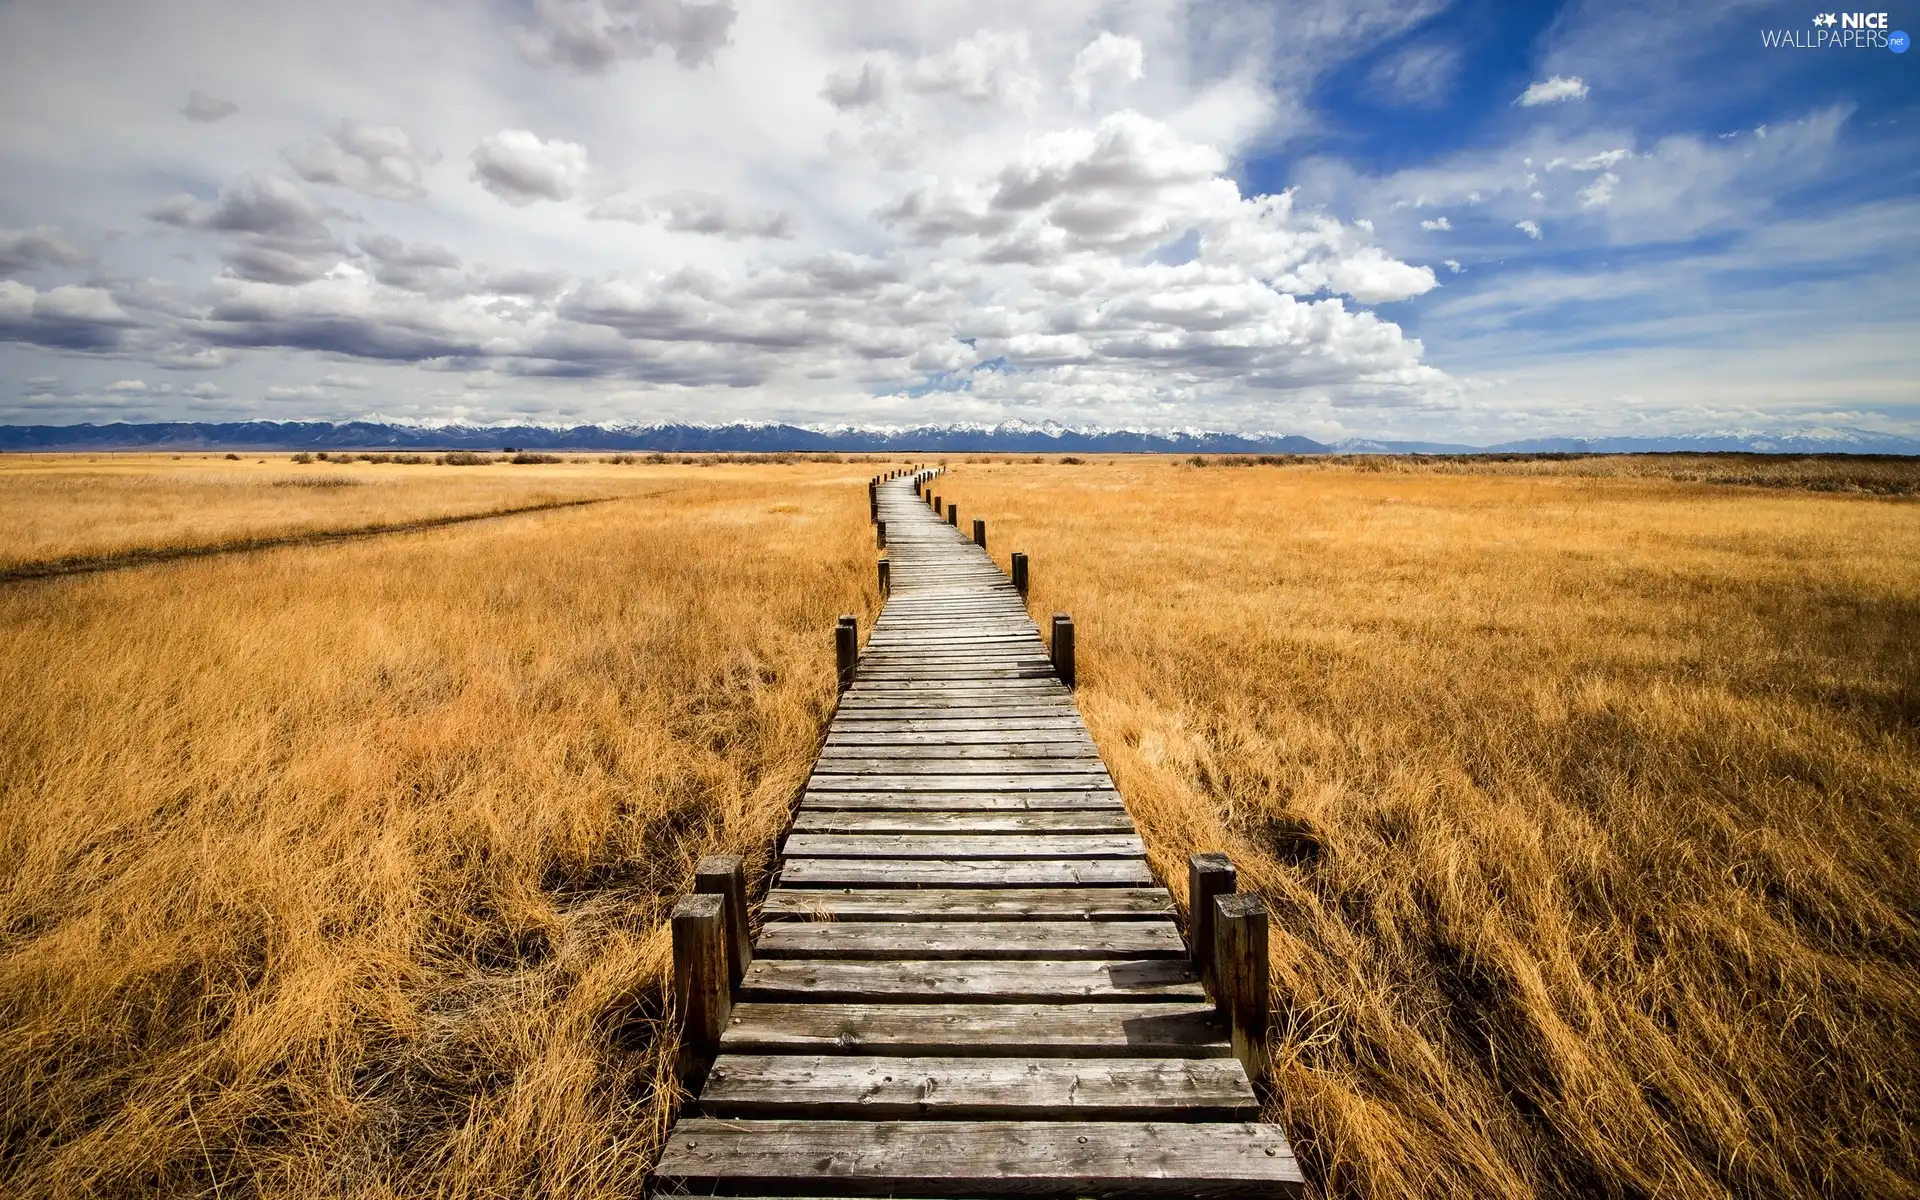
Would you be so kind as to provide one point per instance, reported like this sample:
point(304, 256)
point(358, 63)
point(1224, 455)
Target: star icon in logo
point(1826, 19)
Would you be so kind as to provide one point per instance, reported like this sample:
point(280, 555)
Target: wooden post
point(1240, 976)
point(1063, 647)
point(953, 515)
point(936, 503)
point(846, 649)
point(1208, 875)
point(880, 534)
point(725, 875)
point(886, 576)
point(873, 501)
point(1020, 573)
point(700, 981)
point(980, 533)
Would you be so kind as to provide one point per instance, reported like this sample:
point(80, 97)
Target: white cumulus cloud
point(988, 67)
point(1530, 228)
point(380, 160)
point(1556, 90)
point(593, 35)
point(696, 212)
point(1440, 224)
point(1107, 58)
point(520, 167)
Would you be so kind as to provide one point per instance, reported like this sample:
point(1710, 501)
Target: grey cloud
point(1115, 186)
point(183, 357)
point(531, 284)
point(266, 263)
point(860, 87)
point(1128, 153)
point(260, 205)
point(987, 67)
point(697, 212)
point(415, 268)
point(687, 307)
point(65, 318)
point(933, 212)
point(520, 167)
point(283, 318)
point(842, 273)
point(380, 160)
point(276, 233)
point(41, 246)
point(207, 109)
point(593, 35)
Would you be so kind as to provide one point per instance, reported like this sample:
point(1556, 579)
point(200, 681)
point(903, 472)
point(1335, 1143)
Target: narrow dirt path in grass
point(86, 564)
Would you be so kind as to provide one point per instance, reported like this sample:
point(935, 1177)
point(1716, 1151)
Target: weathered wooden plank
point(969, 667)
point(986, 1158)
point(920, 821)
point(843, 737)
point(1086, 800)
point(815, 1086)
point(1025, 782)
point(1049, 720)
point(956, 716)
point(916, 980)
point(947, 847)
point(947, 667)
point(937, 760)
point(953, 708)
point(1005, 940)
point(979, 872)
point(939, 646)
point(918, 752)
point(1003, 693)
point(1098, 1029)
point(998, 691)
point(888, 641)
point(1004, 904)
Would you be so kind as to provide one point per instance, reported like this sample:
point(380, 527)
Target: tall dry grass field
point(1587, 808)
point(78, 507)
point(341, 870)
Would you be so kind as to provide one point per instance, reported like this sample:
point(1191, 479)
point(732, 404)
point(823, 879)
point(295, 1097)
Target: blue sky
point(1470, 221)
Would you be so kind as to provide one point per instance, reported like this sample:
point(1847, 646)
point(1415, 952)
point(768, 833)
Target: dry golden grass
point(1587, 809)
point(1873, 474)
point(341, 871)
point(63, 506)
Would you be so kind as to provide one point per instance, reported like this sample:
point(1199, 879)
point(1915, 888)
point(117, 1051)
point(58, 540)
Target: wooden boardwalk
point(968, 983)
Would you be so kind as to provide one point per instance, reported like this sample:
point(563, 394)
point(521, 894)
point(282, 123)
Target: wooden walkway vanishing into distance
point(967, 981)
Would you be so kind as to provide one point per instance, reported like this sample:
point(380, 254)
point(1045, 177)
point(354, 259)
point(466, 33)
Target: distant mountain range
point(1015, 437)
